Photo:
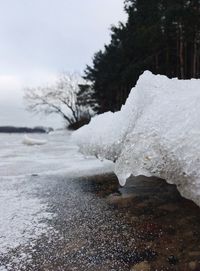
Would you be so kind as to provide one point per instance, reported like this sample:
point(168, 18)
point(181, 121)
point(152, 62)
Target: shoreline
point(98, 225)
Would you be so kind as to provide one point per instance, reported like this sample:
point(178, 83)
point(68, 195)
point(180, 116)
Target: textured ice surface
point(156, 133)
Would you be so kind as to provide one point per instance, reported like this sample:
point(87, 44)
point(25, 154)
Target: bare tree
point(60, 98)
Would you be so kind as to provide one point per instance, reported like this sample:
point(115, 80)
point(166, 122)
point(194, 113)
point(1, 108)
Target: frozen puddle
point(21, 213)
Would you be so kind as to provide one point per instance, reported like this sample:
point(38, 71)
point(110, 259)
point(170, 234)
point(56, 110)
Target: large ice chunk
point(156, 133)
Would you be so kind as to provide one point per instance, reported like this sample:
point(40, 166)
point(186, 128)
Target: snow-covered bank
point(156, 133)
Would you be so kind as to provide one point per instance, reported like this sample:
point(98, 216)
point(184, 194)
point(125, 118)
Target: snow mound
point(33, 141)
point(156, 133)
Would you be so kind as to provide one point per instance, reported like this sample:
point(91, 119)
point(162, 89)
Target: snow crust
point(156, 133)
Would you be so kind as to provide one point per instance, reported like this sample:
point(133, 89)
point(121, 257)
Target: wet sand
point(99, 226)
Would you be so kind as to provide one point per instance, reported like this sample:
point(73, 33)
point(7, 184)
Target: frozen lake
point(58, 155)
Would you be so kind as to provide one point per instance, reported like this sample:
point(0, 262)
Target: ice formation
point(33, 141)
point(156, 133)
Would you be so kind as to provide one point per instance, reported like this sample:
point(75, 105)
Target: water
point(54, 216)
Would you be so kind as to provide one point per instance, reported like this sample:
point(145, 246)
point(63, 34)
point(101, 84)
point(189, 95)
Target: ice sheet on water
point(156, 133)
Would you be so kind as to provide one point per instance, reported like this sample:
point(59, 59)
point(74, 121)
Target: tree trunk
point(194, 58)
point(181, 53)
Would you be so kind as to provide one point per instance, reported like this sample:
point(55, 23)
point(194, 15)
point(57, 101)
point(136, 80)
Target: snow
point(20, 214)
point(33, 141)
point(156, 133)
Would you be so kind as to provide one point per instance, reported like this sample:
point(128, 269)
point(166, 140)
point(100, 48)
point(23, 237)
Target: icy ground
point(22, 213)
point(156, 133)
point(55, 217)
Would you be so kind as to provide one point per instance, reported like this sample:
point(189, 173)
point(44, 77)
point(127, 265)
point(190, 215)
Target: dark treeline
point(162, 36)
point(13, 129)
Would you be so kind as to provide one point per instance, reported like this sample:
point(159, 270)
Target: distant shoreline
point(13, 129)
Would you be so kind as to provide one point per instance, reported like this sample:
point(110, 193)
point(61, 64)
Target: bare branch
point(59, 98)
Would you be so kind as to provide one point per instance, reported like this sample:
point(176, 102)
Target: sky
point(41, 38)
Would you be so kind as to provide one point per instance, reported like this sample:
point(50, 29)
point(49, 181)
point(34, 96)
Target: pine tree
point(162, 36)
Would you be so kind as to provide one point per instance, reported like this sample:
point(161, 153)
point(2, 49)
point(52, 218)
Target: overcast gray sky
point(40, 38)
